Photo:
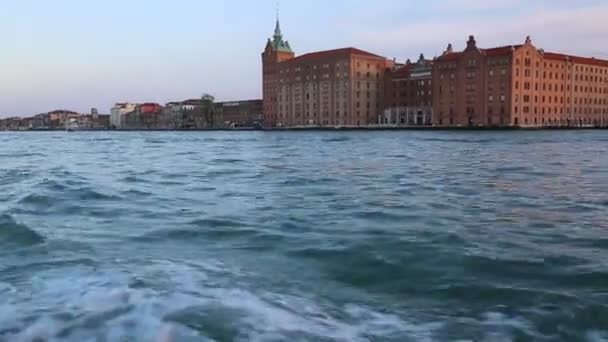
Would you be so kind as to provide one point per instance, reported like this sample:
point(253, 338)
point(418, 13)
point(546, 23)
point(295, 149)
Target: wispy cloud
point(579, 31)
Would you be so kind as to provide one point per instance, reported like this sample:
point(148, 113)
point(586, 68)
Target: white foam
point(596, 336)
point(283, 314)
point(122, 313)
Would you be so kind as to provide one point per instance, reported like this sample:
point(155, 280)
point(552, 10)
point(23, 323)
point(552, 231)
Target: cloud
point(575, 31)
point(479, 4)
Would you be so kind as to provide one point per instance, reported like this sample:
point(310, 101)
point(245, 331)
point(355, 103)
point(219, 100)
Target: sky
point(78, 55)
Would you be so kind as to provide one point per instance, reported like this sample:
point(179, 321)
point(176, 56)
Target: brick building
point(518, 85)
point(277, 50)
point(408, 97)
point(343, 87)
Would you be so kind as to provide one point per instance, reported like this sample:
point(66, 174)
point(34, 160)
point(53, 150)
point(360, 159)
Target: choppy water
point(310, 236)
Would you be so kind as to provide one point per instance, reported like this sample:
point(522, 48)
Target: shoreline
point(292, 129)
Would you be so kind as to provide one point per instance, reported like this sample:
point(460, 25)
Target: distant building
point(343, 87)
point(238, 114)
point(145, 116)
point(58, 119)
point(118, 112)
point(190, 114)
point(408, 94)
point(518, 85)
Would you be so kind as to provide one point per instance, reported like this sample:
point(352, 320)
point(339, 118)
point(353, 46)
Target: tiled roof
point(497, 51)
point(403, 71)
point(576, 59)
point(62, 111)
point(452, 56)
point(501, 50)
point(335, 53)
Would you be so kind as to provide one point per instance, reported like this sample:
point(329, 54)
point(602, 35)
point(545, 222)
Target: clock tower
point(277, 50)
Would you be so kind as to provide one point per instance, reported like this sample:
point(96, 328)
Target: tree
point(210, 99)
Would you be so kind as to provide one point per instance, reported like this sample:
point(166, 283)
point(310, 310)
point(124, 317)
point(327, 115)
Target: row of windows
point(328, 122)
point(418, 93)
point(536, 121)
point(420, 83)
point(555, 99)
point(556, 87)
point(560, 76)
point(313, 67)
point(597, 70)
point(368, 74)
point(473, 63)
point(369, 65)
point(562, 122)
point(556, 110)
point(299, 114)
point(413, 103)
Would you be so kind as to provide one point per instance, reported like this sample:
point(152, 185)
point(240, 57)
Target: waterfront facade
point(518, 85)
point(145, 116)
point(118, 112)
point(336, 88)
point(408, 97)
point(193, 114)
point(234, 114)
point(58, 120)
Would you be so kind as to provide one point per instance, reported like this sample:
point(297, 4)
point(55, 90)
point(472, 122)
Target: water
point(308, 236)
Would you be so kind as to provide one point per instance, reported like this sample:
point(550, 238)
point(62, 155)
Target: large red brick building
point(343, 87)
point(518, 85)
point(408, 94)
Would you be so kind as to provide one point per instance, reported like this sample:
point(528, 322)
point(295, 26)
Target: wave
point(220, 314)
point(49, 200)
point(85, 194)
point(22, 155)
point(155, 141)
point(203, 229)
point(16, 234)
point(454, 140)
point(227, 161)
point(337, 139)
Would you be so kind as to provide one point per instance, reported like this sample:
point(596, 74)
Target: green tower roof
point(278, 43)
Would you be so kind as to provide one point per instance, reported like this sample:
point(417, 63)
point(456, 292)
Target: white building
point(118, 112)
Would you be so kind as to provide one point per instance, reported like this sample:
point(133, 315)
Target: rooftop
point(335, 53)
point(576, 59)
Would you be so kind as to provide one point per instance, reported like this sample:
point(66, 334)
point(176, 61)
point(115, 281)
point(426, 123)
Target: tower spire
point(278, 43)
point(277, 29)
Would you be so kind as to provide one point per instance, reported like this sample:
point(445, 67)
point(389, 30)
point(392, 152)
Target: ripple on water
point(13, 234)
point(434, 236)
point(202, 230)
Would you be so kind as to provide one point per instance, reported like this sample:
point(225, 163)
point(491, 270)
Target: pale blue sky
point(78, 54)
